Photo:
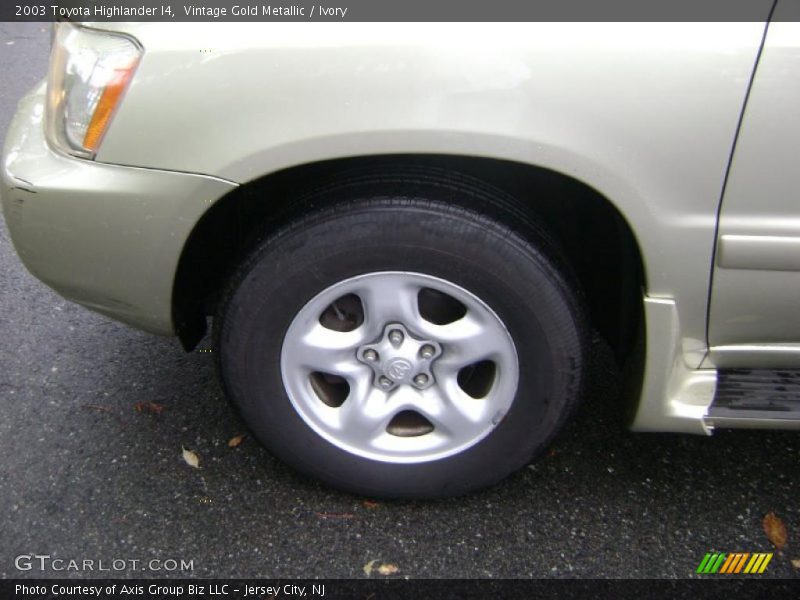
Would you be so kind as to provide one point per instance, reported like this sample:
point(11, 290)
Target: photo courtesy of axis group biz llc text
point(170, 590)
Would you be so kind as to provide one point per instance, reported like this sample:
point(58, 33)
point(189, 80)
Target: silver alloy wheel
point(412, 368)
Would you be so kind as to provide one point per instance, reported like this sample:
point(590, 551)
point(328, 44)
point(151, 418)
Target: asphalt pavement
point(90, 470)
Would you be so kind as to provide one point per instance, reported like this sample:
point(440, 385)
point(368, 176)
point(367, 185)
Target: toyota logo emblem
point(398, 369)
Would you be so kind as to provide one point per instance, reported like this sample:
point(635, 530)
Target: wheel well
point(595, 237)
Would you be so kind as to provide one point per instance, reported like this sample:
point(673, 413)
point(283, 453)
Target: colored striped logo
point(735, 562)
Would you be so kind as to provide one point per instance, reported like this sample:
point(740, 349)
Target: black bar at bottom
point(389, 589)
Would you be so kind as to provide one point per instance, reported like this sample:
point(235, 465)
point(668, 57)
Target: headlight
point(89, 73)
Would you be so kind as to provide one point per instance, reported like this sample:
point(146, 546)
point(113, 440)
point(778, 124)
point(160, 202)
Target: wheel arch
point(598, 240)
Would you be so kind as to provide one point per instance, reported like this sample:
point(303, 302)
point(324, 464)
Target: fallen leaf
point(191, 458)
point(324, 515)
point(236, 440)
point(388, 569)
point(796, 563)
point(775, 530)
point(369, 504)
point(149, 407)
point(368, 567)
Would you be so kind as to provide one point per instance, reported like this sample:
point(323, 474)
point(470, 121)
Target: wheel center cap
point(399, 358)
point(398, 369)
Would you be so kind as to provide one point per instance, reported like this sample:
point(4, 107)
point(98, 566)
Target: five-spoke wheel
point(399, 367)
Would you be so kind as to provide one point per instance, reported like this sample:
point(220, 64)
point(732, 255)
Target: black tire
point(514, 269)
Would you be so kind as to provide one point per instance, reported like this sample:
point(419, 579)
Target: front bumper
point(105, 236)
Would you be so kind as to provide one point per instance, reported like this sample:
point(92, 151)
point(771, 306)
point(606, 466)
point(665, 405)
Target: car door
point(754, 316)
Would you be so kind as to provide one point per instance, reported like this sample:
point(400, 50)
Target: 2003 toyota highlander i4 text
point(404, 234)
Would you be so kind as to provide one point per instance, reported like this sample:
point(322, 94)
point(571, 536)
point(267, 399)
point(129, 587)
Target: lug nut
point(421, 379)
point(396, 337)
point(370, 355)
point(427, 351)
point(385, 382)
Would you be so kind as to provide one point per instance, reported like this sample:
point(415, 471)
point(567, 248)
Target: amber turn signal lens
point(105, 107)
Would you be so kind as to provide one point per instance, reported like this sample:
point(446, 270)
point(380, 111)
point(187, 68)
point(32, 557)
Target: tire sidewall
point(517, 279)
